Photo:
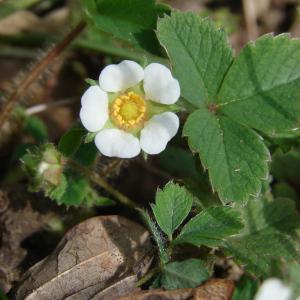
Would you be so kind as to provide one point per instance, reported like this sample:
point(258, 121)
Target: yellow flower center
point(128, 111)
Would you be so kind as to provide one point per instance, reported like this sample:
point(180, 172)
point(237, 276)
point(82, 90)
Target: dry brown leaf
point(215, 289)
point(19, 219)
point(101, 258)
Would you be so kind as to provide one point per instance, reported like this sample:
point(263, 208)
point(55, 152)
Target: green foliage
point(181, 164)
point(245, 289)
point(268, 235)
point(185, 274)
point(86, 154)
point(124, 20)
point(286, 166)
point(36, 128)
point(211, 227)
point(44, 167)
point(199, 53)
point(293, 278)
point(261, 89)
point(71, 140)
point(76, 191)
point(76, 144)
point(164, 256)
point(257, 90)
point(235, 156)
point(172, 206)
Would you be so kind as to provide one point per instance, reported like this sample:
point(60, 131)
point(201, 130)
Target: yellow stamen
point(128, 111)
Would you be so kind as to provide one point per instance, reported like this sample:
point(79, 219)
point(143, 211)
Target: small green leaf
point(172, 206)
point(245, 289)
point(77, 188)
point(181, 163)
point(236, 157)
point(199, 52)
point(56, 193)
point(164, 257)
point(86, 154)
point(123, 19)
point(92, 198)
point(90, 137)
point(185, 274)
point(71, 140)
point(91, 82)
point(211, 227)
point(262, 88)
point(36, 128)
point(269, 235)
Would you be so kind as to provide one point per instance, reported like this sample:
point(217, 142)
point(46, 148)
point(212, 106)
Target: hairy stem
point(98, 180)
point(37, 71)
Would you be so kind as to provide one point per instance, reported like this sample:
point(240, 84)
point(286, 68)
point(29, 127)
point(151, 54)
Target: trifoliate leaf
point(123, 19)
point(172, 206)
point(185, 274)
point(268, 235)
point(199, 53)
point(211, 227)
point(235, 156)
point(245, 289)
point(262, 88)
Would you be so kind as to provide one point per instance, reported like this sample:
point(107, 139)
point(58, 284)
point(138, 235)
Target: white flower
point(129, 109)
point(273, 289)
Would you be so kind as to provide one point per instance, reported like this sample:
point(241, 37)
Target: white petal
point(159, 84)
point(158, 131)
point(116, 78)
point(117, 143)
point(273, 289)
point(94, 109)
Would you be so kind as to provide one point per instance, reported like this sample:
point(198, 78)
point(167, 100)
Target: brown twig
point(37, 71)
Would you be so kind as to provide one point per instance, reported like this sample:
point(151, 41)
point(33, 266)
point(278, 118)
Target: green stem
point(98, 180)
point(148, 276)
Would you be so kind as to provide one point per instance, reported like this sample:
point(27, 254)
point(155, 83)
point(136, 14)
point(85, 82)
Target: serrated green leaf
point(245, 289)
point(172, 206)
point(268, 235)
point(71, 140)
point(236, 157)
point(182, 164)
point(185, 274)
point(199, 53)
point(211, 227)
point(123, 19)
point(76, 191)
point(262, 88)
point(56, 193)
